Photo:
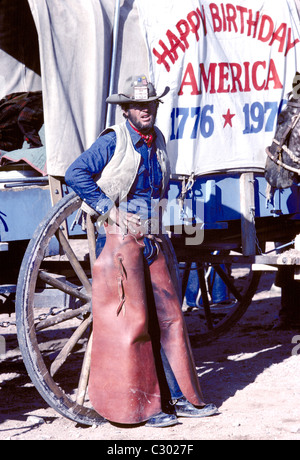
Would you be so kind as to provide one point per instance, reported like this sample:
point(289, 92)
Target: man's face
point(142, 115)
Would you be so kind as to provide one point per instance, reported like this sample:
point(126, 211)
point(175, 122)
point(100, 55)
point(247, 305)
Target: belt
point(146, 227)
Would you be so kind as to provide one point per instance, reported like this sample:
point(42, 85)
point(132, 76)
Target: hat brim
point(123, 99)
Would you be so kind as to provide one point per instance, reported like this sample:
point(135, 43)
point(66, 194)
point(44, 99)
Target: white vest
point(119, 174)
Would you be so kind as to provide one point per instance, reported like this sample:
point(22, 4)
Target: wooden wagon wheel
point(211, 317)
point(53, 310)
point(56, 347)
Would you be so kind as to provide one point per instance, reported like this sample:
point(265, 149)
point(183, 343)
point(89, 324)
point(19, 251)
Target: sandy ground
point(251, 374)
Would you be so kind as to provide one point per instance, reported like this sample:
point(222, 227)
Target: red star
point(228, 118)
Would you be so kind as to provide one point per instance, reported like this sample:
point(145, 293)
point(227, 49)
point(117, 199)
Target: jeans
point(171, 380)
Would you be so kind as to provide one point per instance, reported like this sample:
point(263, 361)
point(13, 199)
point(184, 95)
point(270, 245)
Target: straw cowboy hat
point(137, 89)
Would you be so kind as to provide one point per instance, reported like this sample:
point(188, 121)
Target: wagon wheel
point(54, 331)
point(56, 347)
point(237, 286)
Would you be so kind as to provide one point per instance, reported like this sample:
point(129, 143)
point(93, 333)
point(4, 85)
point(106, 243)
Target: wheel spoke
point(228, 282)
point(64, 287)
point(74, 261)
point(219, 311)
point(69, 277)
point(62, 356)
point(201, 277)
point(85, 372)
point(91, 240)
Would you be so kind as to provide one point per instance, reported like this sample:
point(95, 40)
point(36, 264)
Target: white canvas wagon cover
point(229, 67)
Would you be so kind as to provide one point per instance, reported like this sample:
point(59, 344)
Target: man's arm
point(80, 174)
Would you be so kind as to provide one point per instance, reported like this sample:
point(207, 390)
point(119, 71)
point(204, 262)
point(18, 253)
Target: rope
point(280, 163)
point(122, 276)
point(185, 187)
point(292, 156)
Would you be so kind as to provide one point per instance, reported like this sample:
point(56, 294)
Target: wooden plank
point(85, 372)
point(91, 240)
point(74, 261)
point(297, 248)
point(264, 268)
point(247, 206)
point(55, 189)
point(69, 289)
point(68, 347)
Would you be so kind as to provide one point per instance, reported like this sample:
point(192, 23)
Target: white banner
point(229, 67)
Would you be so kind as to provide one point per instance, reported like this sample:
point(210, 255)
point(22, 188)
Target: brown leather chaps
point(125, 379)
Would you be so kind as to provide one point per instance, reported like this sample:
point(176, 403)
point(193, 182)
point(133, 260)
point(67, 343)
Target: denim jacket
point(145, 189)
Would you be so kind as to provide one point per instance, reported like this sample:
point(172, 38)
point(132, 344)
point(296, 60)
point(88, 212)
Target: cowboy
point(141, 355)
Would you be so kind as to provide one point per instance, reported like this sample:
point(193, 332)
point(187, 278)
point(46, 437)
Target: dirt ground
point(251, 374)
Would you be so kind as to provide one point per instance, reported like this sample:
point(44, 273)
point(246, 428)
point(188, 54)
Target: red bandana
point(148, 138)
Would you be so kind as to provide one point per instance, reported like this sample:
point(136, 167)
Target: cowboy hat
point(136, 89)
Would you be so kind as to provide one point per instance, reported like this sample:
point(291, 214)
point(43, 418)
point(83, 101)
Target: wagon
point(220, 213)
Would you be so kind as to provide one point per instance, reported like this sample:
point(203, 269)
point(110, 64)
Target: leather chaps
point(130, 323)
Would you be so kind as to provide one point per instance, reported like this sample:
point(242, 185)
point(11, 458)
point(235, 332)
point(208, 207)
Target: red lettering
point(290, 44)
point(266, 20)
point(203, 19)
point(231, 77)
point(169, 55)
point(189, 79)
point(224, 18)
point(184, 30)
point(217, 22)
point(254, 75)
point(162, 57)
point(273, 76)
point(242, 10)
point(195, 26)
point(252, 23)
point(175, 43)
point(280, 37)
point(206, 78)
point(236, 73)
point(247, 77)
point(231, 17)
point(224, 74)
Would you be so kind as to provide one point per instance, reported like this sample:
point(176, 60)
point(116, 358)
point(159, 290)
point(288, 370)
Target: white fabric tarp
point(19, 58)
point(229, 66)
point(16, 77)
point(74, 39)
point(76, 47)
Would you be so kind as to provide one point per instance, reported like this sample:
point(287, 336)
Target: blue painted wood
point(21, 211)
point(215, 200)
